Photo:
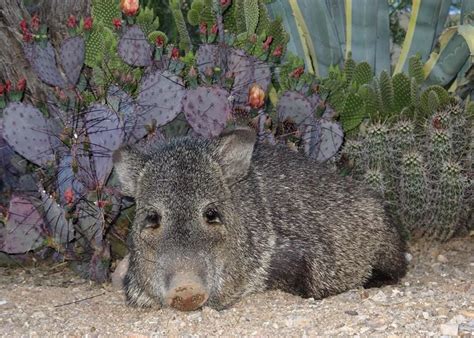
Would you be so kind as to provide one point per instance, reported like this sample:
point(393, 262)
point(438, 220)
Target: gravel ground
point(435, 298)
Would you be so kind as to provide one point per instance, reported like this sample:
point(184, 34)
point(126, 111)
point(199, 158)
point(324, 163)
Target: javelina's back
point(330, 233)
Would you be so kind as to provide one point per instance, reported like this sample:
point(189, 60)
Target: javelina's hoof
point(186, 293)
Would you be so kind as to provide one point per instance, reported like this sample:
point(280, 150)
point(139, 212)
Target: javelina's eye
point(152, 220)
point(212, 216)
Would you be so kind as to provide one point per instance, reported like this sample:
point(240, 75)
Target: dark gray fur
point(288, 223)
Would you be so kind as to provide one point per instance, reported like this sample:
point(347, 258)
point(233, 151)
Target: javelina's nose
point(186, 293)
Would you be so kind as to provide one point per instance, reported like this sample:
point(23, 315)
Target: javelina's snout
point(186, 292)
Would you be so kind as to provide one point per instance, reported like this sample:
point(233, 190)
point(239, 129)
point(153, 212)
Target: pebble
point(449, 329)
point(442, 259)
point(3, 302)
point(467, 329)
point(351, 312)
point(379, 297)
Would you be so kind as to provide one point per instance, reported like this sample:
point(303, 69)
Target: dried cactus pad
point(207, 110)
point(43, 60)
point(207, 56)
point(160, 98)
point(105, 131)
point(60, 229)
point(295, 107)
point(25, 129)
point(24, 228)
point(134, 48)
point(323, 139)
point(72, 56)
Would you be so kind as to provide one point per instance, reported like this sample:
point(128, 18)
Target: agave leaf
point(421, 32)
point(444, 66)
point(367, 25)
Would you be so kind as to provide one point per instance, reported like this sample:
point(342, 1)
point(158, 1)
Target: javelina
point(219, 219)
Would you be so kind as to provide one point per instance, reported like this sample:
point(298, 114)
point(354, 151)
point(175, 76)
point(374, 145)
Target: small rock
point(457, 319)
point(442, 259)
point(426, 315)
point(275, 326)
point(351, 312)
point(297, 321)
point(195, 316)
point(467, 329)
point(38, 314)
point(449, 329)
point(408, 257)
point(3, 302)
point(379, 297)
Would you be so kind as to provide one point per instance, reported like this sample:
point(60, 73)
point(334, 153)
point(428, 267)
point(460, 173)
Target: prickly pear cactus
point(72, 56)
point(247, 71)
point(105, 132)
point(24, 228)
point(105, 11)
point(26, 130)
point(207, 110)
point(207, 56)
point(134, 48)
point(159, 99)
point(43, 60)
point(323, 140)
point(295, 107)
point(59, 229)
point(68, 184)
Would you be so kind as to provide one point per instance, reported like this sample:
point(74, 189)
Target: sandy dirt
point(435, 298)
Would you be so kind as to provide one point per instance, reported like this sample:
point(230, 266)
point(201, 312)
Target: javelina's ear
point(128, 162)
point(234, 151)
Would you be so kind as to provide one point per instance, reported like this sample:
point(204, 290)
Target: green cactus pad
point(153, 35)
point(386, 90)
point(105, 11)
point(368, 95)
point(353, 112)
point(401, 90)
point(147, 21)
point(251, 12)
point(193, 17)
point(362, 73)
point(95, 46)
point(415, 69)
point(349, 68)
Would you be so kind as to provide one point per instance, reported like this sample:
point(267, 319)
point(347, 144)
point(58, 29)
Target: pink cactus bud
point(202, 28)
point(88, 23)
point(117, 23)
point(35, 23)
point(21, 85)
point(71, 21)
point(175, 53)
point(267, 43)
point(214, 29)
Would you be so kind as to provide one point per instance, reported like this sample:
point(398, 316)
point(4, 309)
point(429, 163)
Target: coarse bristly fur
point(285, 222)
